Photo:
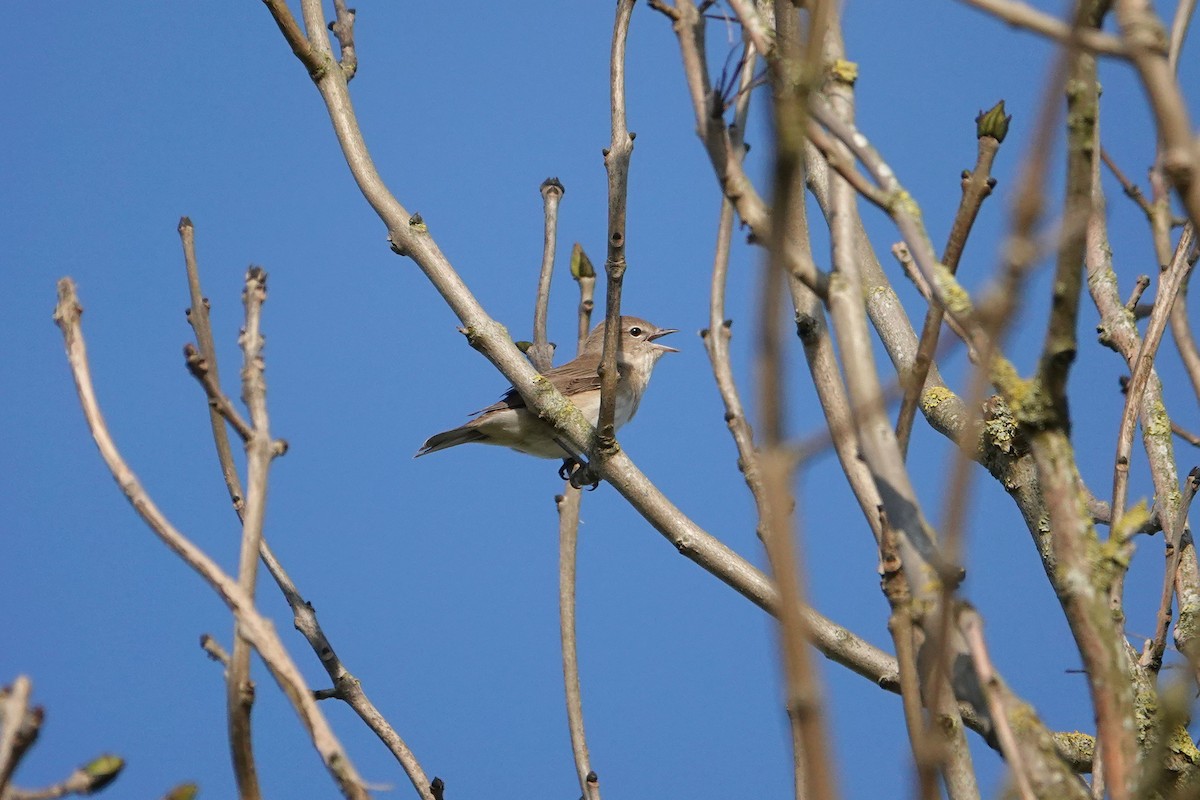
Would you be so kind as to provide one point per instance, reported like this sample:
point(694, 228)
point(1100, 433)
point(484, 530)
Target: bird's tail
point(440, 441)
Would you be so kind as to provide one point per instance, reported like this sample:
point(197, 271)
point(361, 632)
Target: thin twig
point(1168, 287)
point(1022, 15)
point(252, 625)
point(198, 318)
point(343, 28)
point(568, 504)
point(346, 687)
point(689, 27)
point(925, 565)
point(541, 353)
point(14, 709)
point(718, 333)
point(1082, 593)
point(913, 273)
point(308, 55)
point(568, 535)
point(903, 631)
point(1179, 29)
point(1129, 187)
point(976, 187)
point(776, 500)
point(1185, 434)
point(972, 628)
point(1118, 331)
point(1152, 658)
point(1185, 341)
point(1143, 33)
point(88, 779)
point(260, 450)
point(585, 275)
point(616, 161)
point(213, 648)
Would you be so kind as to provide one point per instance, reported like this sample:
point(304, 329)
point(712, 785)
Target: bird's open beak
point(663, 332)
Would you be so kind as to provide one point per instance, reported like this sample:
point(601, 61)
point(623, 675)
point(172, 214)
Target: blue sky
point(437, 579)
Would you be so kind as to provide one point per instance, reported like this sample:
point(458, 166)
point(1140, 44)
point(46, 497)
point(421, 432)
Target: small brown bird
point(511, 424)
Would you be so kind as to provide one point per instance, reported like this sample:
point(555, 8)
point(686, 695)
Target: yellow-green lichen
point(1156, 420)
point(901, 202)
point(957, 299)
point(935, 396)
point(844, 71)
point(1180, 742)
point(1000, 432)
point(1083, 744)
point(1026, 398)
point(1132, 521)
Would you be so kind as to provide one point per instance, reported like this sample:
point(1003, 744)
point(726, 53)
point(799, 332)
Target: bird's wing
point(570, 379)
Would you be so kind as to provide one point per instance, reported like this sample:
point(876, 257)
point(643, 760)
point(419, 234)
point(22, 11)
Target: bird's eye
point(635, 331)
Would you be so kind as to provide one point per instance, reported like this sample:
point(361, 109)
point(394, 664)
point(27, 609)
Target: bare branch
point(541, 353)
point(16, 730)
point(343, 28)
point(1142, 32)
point(254, 627)
point(973, 630)
point(1169, 284)
point(1022, 15)
point(976, 187)
point(205, 370)
point(214, 649)
point(568, 534)
point(616, 161)
point(1152, 657)
point(346, 686)
point(568, 504)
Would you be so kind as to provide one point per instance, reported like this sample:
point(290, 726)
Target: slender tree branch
point(88, 779)
point(972, 627)
point(1169, 284)
point(904, 632)
point(718, 333)
point(726, 157)
point(16, 732)
point(309, 56)
point(976, 187)
point(1118, 331)
point(346, 686)
point(616, 161)
point(209, 377)
point(585, 275)
point(252, 625)
point(1152, 658)
point(343, 28)
point(1185, 341)
point(568, 536)
point(1129, 187)
point(541, 353)
point(1022, 15)
point(259, 452)
point(1143, 33)
point(213, 648)
point(1179, 29)
point(568, 504)
point(776, 501)
point(1084, 592)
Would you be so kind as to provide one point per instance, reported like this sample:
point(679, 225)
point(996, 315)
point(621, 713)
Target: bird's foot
point(578, 473)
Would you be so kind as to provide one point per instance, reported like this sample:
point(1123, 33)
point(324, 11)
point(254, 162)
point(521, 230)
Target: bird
point(509, 423)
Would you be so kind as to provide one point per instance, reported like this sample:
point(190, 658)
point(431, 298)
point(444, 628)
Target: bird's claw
point(578, 474)
point(568, 466)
